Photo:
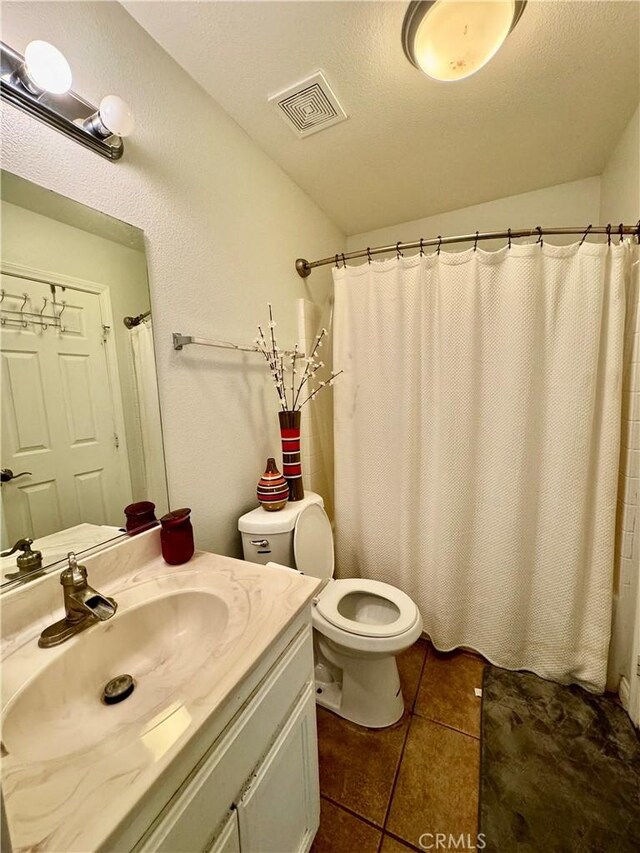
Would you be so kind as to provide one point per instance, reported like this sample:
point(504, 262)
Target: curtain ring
point(475, 245)
point(399, 253)
point(337, 264)
point(539, 240)
point(584, 236)
point(369, 254)
point(344, 263)
point(609, 234)
point(621, 229)
point(439, 243)
point(421, 249)
point(509, 233)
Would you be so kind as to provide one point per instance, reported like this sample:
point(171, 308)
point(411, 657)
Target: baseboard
point(624, 693)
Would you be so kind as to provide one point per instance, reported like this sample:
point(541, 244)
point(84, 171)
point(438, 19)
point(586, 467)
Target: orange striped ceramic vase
point(272, 491)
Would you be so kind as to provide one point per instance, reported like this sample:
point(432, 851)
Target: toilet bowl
point(359, 625)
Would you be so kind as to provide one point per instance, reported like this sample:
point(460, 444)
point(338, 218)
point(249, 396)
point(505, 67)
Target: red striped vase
point(291, 464)
point(272, 491)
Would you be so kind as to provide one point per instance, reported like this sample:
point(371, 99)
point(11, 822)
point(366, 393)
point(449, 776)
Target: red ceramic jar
point(140, 516)
point(176, 536)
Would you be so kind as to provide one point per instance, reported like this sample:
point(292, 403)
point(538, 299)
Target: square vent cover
point(309, 105)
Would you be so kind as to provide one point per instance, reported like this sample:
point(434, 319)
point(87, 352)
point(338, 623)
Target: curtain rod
point(304, 267)
point(130, 322)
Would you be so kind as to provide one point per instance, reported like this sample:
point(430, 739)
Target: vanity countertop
point(71, 788)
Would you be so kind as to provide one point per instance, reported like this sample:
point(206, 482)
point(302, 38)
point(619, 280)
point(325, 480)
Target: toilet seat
point(370, 614)
point(333, 595)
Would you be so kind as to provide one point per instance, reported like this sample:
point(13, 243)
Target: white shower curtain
point(144, 366)
point(477, 430)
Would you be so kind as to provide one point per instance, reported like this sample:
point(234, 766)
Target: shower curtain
point(477, 429)
point(144, 367)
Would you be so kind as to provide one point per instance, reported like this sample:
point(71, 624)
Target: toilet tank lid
point(260, 521)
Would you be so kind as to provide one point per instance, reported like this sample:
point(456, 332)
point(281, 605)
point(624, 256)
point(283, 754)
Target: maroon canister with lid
point(140, 516)
point(176, 536)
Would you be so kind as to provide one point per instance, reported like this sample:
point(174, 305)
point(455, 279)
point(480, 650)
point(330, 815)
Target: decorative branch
point(321, 385)
point(293, 371)
point(271, 361)
point(310, 360)
point(275, 359)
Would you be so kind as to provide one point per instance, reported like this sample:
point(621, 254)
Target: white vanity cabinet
point(255, 789)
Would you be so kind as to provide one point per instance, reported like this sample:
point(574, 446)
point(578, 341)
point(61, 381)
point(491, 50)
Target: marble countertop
point(73, 801)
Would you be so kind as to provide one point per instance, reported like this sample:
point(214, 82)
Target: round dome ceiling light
point(451, 39)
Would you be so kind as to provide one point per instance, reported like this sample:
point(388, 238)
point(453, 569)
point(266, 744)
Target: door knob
point(6, 474)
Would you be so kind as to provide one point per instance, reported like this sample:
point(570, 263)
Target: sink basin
point(165, 644)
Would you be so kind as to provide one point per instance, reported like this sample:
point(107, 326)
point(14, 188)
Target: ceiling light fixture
point(40, 84)
point(451, 39)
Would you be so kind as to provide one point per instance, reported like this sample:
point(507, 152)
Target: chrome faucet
point(83, 606)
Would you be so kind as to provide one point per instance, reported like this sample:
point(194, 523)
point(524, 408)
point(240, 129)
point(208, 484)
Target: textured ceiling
point(547, 109)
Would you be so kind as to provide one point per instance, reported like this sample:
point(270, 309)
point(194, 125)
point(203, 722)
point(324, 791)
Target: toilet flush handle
point(260, 543)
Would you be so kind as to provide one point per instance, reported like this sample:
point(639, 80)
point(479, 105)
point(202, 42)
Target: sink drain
point(118, 689)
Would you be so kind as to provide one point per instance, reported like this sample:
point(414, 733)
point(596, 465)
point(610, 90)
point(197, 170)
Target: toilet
point(359, 625)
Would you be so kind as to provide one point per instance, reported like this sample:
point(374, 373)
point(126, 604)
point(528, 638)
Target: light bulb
point(116, 115)
point(452, 39)
point(46, 68)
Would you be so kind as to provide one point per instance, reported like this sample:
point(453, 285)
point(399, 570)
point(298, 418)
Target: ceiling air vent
point(309, 105)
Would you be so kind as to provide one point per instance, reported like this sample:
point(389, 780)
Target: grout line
point(447, 726)
point(404, 841)
point(351, 812)
point(410, 715)
point(404, 742)
point(421, 676)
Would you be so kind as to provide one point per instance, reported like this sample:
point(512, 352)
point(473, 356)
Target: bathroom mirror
point(81, 433)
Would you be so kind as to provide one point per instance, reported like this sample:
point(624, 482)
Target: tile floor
point(382, 789)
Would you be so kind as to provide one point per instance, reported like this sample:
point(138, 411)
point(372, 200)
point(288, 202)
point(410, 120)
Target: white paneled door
point(58, 415)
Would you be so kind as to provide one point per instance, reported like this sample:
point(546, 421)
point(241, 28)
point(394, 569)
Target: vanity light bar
point(68, 113)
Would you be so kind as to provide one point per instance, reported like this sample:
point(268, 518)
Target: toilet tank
point(267, 537)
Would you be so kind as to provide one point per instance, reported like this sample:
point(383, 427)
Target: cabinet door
point(280, 810)
point(228, 839)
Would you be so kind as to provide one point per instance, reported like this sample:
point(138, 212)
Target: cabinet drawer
point(188, 822)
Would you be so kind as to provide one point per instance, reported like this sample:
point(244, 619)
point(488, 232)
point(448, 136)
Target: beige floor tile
point(341, 832)
point(446, 692)
point(358, 765)
point(437, 787)
point(410, 663)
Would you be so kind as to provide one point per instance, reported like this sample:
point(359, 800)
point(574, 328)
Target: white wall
point(32, 240)
point(620, 202)
point(573, 203)
point(620, 182)
point(223, 226)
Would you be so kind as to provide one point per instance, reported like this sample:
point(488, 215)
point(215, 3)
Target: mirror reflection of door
point(60, 420)
point(78, 385)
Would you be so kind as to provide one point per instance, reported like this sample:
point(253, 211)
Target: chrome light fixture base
point(417, 11)
point(69, 113)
